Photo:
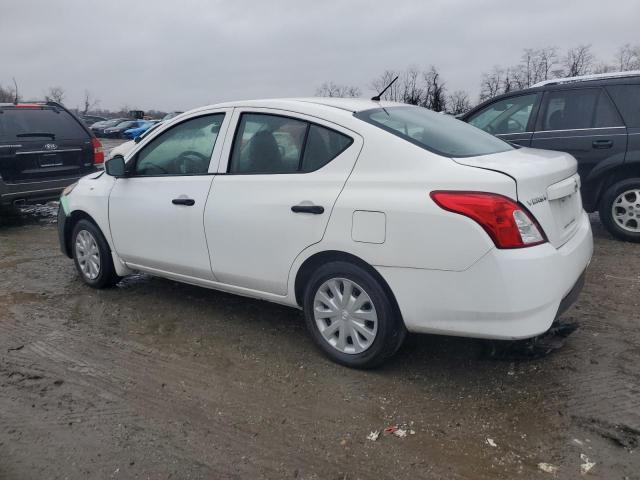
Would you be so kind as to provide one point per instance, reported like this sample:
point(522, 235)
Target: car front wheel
point(351, 317)
point(620, 210)
point(92, 256)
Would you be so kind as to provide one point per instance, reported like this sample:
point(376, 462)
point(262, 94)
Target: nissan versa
point(375, 218)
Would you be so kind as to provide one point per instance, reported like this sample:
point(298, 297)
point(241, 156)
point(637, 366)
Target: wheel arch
point(600, 183)
point(71, 222)
point(314, 261)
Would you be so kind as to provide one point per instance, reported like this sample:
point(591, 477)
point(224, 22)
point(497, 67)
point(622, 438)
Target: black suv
point(596, 119)
point(43, 149)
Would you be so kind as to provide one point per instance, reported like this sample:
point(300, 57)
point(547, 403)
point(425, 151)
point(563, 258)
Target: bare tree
point(435, 91)
point(331, 89)
point(89, 102)
point(602, 67)
point(492, 83)
point(55, 94)
point(578, 61)
point(458, 102)
point(628, 57)
point(7, 94)
point(411, 90)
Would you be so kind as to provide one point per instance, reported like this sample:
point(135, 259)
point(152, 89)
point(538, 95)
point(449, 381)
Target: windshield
point(436, 132)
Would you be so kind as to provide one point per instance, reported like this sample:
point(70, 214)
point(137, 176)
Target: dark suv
point(43, 149)
point(596, 119)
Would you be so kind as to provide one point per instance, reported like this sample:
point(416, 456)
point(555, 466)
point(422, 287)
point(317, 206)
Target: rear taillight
point(98, 153)
point(508, 223)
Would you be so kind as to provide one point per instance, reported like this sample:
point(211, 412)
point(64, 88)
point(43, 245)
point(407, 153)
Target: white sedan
point(375, 218)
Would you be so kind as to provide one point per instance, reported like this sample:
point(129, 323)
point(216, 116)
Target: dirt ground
point(154, 379)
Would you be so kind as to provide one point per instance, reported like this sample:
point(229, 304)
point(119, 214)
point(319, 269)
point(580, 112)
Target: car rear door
point(274, 196)
point(39, 143)
point(510, 118)
point(584, 123)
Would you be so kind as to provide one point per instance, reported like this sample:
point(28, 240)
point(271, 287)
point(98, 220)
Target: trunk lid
point(547, 184)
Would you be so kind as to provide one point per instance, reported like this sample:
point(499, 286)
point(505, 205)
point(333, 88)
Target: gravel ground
point(155, 379)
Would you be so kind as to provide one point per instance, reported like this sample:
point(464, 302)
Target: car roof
point(350, 105)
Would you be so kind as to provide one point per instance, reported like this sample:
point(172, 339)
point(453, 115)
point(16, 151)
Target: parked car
point(98, 128)
point(595, 118)
point(89, 120)
point(132, 133)
point(373, 217)
point(119, 129)
point(43, 148)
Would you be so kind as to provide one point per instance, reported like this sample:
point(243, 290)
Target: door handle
point(184, 201)
point(602, 143)
point(315, 209)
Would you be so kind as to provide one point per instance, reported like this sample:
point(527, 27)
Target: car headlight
point(69, 189)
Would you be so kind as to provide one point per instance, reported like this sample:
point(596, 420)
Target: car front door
point(584, 123)
point(156, 211)
point(509, 118)
point(274, 195)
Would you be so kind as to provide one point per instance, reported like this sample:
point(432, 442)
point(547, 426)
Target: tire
point(96, 265)
point(373, 315)
point(620, 210)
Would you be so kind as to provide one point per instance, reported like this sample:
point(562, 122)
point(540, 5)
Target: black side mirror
point(115, 166)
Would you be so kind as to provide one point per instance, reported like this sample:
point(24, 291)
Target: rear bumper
point(507, 294)
point(35, 192)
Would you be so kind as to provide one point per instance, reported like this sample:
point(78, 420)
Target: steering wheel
point(519, 126)
point(190, 161)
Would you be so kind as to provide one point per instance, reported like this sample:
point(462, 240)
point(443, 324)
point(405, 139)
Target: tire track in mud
point(116, 371)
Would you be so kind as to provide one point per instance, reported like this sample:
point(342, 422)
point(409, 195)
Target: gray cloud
point(178, 54)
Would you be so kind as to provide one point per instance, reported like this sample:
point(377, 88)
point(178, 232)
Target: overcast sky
point(179, 54)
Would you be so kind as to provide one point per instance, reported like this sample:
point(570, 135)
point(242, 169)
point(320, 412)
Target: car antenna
point(377, 97)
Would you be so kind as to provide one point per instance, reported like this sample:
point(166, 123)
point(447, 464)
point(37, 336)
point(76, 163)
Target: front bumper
point(62, 228)
point(507, 294)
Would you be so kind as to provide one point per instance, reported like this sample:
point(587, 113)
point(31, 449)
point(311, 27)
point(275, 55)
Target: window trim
point(304, 144)
point(131, 165)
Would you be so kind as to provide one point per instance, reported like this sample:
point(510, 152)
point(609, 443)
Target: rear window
point(436, 132)
point(23, 123)
point(627, 98)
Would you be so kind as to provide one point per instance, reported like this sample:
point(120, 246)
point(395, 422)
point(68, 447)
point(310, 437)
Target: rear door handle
point(315, 209)
point(184, 201)
point(602, 143)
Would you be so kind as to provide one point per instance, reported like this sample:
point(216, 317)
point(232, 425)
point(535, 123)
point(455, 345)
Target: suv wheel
point(351, 317)
point(620, 209)
point(92, 256)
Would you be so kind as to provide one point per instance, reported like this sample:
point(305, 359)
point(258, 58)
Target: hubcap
point(626, 210)
point(345, 315)
point(88, 254)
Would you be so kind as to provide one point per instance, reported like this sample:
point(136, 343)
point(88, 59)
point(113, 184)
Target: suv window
point(184, 149)
point(575, 109)
point(16, 123)
point(627, 98)
point(510, 115)
point(436, 132)
point(275, 144)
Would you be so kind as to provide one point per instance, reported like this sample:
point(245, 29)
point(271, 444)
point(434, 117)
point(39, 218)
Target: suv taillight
point(508, 223)
point(98, 153)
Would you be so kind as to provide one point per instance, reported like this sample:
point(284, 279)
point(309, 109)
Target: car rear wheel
point(620, 210)
point(351, 317)
point(92, 256)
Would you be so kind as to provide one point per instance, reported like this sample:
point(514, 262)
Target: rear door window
point(23, 123)
point(269, 144)
point(627, 98)
point(578, 109)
